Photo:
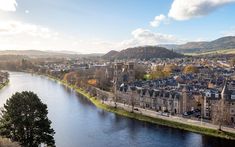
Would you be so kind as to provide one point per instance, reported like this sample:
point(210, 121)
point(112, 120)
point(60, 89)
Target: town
point(197, 88)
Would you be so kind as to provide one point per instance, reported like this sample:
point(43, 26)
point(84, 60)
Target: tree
point(140, 71)
point(102, 81)
point(232, 61)
point(133, 89)
point(24, 120)
point(157, 74)
point(169, 69)
point(190, 69)
point(70, 77)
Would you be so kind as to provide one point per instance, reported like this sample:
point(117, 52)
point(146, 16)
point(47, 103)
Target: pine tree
point(24, 119)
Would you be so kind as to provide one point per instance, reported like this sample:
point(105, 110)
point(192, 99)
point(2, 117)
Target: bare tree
point(133, 88)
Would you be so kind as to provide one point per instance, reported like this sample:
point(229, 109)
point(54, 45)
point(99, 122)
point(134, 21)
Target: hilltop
point(146, 52)
point(224, 43)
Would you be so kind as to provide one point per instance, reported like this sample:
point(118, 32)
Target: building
point(123, 72)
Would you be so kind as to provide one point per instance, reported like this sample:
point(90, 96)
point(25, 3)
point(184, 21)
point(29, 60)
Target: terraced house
point(190, 95)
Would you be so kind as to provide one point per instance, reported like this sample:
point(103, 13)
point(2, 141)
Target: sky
point(98, 26)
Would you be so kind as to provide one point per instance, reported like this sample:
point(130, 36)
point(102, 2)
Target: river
point(78, 123)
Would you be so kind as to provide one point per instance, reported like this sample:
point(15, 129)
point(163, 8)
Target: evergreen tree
point(24, 119)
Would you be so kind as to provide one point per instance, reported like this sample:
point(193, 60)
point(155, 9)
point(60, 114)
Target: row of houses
point(209, 94)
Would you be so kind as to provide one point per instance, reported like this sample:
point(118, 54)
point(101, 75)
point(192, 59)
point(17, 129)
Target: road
point(155, 114)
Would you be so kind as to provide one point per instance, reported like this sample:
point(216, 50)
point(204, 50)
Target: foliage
point(190, 69)
point(70, 77)
point(102, 82)
point(140, 71)
point(169, 69)
point(146, 53)
point(232, 61)
point(24, 119)
point(160, 72)
point(92, 82)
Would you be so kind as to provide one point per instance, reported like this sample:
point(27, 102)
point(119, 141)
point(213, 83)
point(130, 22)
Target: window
point(232, 111)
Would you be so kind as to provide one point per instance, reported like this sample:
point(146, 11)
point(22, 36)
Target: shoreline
point(145, 118)
point(4, 84)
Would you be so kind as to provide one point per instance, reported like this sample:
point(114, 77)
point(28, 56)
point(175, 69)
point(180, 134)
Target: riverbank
point(155, 120)
point(4, 84)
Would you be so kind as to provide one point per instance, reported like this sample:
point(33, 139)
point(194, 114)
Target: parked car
point(165, 114)
point(136, 109)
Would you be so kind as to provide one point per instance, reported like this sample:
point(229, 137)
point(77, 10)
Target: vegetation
point(232, 61)
point(213, 52)
point(225, 43)
point(4, 84)
point(161, 72)
point(140, 71)
point(190, 69)
point(24, 120)
point(144, 53)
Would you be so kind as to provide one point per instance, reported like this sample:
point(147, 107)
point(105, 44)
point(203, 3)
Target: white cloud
point(187, 9)
point(142, 37)
point(8, 5)
point(19, 35)
point(158, 20)
point(19, 28)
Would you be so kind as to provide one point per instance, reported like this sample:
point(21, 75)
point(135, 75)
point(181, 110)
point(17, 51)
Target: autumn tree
point(190, 69)
point(169, 69)
point(159, 73)
point(24, 120)
point(232, 61)
point(70, 77)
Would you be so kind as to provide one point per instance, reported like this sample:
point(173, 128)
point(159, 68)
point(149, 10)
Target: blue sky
point(88, 26)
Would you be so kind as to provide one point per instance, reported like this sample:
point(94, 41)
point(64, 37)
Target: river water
point(78, 123)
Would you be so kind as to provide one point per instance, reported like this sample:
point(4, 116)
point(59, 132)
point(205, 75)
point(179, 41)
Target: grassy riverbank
point(174, 124)
point(4, 84)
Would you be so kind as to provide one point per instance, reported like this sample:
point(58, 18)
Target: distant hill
point(193, 47)
point(111, 55)
point(45, 54)
point(147, 52)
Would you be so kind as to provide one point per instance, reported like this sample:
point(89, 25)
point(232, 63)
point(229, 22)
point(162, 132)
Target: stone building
point(123, 72)
point(220, 108)
point(154, 99)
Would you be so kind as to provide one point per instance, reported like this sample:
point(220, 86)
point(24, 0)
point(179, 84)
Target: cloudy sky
point(88, 26)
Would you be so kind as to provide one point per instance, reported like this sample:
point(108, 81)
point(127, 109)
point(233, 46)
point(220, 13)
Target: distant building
point(124, 72)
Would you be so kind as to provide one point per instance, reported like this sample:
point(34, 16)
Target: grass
point(213, 52)
point(4, 84)
point(159, 121)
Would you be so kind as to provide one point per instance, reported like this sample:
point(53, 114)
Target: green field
point(213, 52)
